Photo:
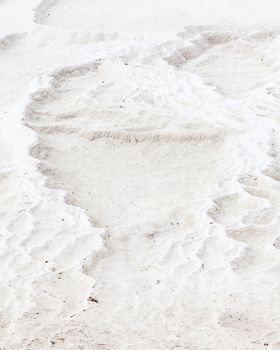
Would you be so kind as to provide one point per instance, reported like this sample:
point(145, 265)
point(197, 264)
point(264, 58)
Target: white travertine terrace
point(139, 174)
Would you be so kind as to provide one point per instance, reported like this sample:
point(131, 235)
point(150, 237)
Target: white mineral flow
point(139, 174)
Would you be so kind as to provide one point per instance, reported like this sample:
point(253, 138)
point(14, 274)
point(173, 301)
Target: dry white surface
point(139, 175)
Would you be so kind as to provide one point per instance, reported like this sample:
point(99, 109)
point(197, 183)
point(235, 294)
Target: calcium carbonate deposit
point(139, 174)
